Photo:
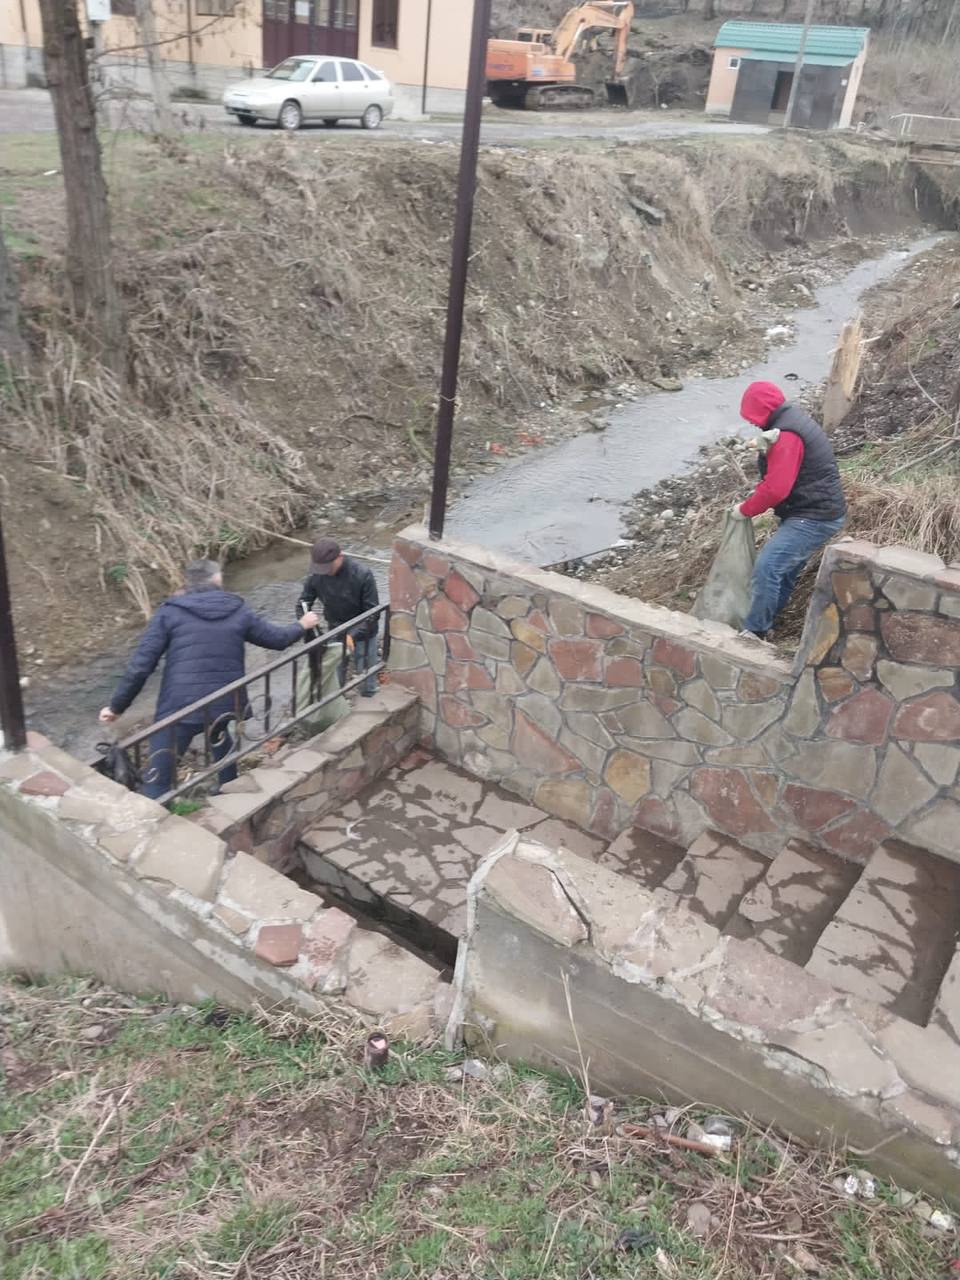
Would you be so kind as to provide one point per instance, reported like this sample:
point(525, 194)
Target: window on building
point(733, 64)
point(385, 21)
point(213, 8)
point(123, 9)
point(345, 14)
point(321, 13)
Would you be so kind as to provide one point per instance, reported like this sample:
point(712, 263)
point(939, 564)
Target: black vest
point(817, 493)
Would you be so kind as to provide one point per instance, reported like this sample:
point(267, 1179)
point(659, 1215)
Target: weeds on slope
point(140, 1140)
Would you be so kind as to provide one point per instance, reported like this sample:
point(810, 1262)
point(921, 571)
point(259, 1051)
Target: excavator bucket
point(617, 94)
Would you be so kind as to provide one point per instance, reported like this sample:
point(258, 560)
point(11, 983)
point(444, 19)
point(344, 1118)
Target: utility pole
point(159, 89)
point(12, 721)
point(798, 66)
point(93, 288)
point(460, 261)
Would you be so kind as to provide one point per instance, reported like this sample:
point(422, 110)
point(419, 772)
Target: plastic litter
point(725, 596)
point(632, 1240)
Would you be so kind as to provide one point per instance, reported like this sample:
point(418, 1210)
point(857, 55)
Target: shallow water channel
point(552, 504)
point(567, 501)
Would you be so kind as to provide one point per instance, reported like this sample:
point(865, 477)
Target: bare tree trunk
point(12, 346)
point(160, 90)
point(93, 287)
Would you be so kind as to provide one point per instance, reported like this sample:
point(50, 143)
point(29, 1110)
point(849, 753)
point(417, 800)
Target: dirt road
point(30, 111)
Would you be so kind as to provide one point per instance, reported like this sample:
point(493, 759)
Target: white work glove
point(737, 513)
point(765, 440)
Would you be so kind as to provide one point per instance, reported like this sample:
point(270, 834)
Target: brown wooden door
point(308, 26)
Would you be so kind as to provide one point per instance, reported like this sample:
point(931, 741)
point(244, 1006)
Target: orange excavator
point(536, 71)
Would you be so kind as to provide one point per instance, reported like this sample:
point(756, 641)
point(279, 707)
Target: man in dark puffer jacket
point(202, 631)
point(800, 480)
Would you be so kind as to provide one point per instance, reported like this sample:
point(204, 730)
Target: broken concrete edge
point(903, 1076)
point(232, 896)
point(453, 1033)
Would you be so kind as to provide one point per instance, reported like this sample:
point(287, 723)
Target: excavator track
point(559, 97)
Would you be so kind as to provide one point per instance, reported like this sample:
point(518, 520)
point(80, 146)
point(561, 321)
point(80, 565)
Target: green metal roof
point(780, 41)
point(809, 60)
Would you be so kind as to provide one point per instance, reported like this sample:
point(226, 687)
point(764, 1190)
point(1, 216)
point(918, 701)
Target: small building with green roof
point(754, 65)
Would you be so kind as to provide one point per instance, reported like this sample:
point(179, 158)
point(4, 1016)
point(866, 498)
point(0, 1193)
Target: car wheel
point(371, 117)
point(243, 118)
point(291, 117)
point(332, 123)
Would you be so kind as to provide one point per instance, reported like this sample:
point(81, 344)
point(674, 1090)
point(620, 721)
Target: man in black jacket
point(202, 631)
point(346, 590)
point(800, 480)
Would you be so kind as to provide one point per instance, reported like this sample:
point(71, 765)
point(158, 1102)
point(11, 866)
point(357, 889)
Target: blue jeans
point(365, 655)
point(779, 564)
point(169, 745)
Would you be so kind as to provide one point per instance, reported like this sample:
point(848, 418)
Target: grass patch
point(140, 1139)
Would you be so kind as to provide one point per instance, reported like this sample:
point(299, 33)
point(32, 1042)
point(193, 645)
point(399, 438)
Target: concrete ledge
point(664, 1005)
point(96, 879)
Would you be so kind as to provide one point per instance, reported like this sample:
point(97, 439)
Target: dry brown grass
point(286, 300)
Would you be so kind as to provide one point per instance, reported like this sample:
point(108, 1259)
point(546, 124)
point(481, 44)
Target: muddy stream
point(552, 504)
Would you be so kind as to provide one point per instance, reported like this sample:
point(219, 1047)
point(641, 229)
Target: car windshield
point(293, 69)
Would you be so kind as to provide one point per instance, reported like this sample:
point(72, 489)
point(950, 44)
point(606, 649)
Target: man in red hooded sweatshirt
point(800, 480)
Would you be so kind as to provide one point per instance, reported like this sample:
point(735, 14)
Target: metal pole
point(466, 186)
point(11, 701)
point(798, 66)
point(426, 57)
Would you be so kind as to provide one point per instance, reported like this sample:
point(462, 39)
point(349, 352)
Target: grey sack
point(725, 596)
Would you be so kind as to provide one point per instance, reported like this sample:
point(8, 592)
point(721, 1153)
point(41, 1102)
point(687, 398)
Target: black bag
point(117, 765)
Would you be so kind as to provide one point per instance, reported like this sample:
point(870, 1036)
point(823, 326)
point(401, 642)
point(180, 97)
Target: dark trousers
point(365, 655)
point(166, 748)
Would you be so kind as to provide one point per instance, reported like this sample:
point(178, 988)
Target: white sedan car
point(306, 88)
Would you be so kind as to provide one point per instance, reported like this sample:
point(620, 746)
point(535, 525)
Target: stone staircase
point(885, 932)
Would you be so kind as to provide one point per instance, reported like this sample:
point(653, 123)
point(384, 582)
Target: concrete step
point(713, 877)
point(790, 907)
point(894, 936)
point(646, 858)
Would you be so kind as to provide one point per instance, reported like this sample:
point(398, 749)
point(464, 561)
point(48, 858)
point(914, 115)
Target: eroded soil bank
point(286, 303)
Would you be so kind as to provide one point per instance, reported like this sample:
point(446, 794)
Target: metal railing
point(917, 128)
point(260, 707)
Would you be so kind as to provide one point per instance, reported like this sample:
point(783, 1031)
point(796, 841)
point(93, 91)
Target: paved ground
point(886, 932)
point(30, 111)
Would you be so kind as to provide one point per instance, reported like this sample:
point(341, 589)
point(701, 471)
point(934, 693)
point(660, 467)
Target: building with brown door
point(420, 45)
point(754, 65)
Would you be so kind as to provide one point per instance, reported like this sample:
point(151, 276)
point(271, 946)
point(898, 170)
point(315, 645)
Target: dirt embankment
point(286, 305)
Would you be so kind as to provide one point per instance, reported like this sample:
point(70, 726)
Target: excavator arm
point(607, 15)
point(536, 70)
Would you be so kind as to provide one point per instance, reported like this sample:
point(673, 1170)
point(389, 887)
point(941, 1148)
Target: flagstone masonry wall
point(610, 712)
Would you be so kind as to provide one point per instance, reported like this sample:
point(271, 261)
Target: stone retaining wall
point(95, 879)
point(610, 712)
point(664, 1006)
